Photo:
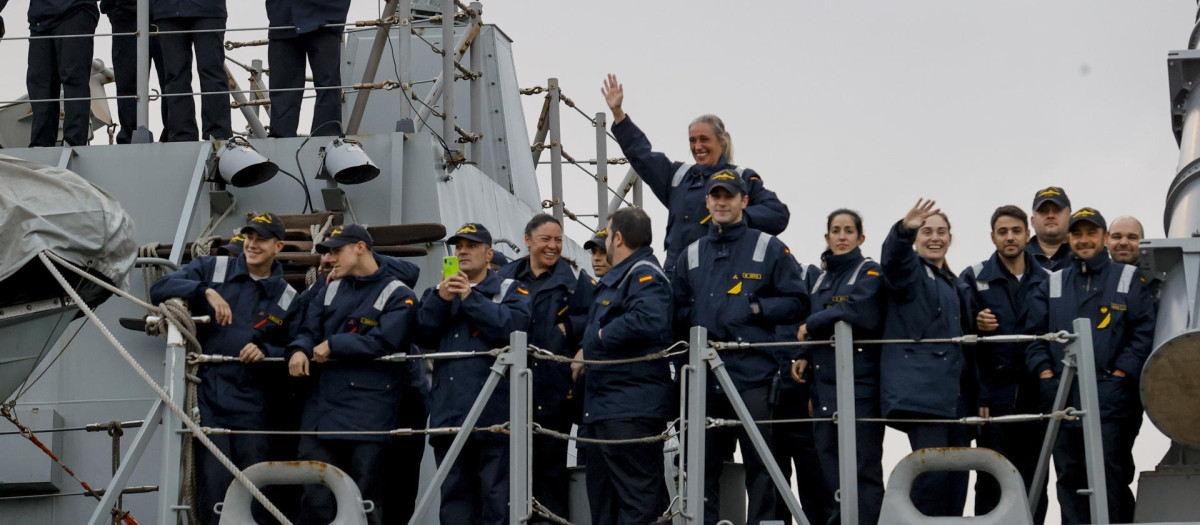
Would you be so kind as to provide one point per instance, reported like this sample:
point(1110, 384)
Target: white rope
point(187, 421)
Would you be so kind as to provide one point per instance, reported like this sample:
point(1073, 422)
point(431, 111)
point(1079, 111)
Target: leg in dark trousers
point(214, 479)
point(402, 461)
point(215, 117)
point(551, 481)
point(869, 441)
point(626, 483)
point(177, 73)
point(1118, 437)
point(942, 493)
point(324, 58)
point(793, 443)
point(65, 63)
point(286, 58)
point(719, 446)
point(124, 65)
point(42, 82)
point(476, 489)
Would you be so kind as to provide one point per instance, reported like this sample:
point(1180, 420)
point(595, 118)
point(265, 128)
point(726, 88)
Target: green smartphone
point(449, 266)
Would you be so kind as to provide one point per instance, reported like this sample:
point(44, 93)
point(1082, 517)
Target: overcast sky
point(860, 104)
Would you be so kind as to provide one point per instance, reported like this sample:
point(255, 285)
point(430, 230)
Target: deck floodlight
point(345, 162)
point(242, 166)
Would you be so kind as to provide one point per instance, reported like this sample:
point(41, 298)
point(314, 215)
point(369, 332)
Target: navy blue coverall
point(561, 297)
point(362, 318)
point(793, 443)
point(1114, 297)
point(476, 489)
point(286, 53)
point(630, 317)
point(232, 395)
point(680, 187)
point(1005, 386)
point(60, 63)
point(193, 15)
point(716, 281)
point(850, 290)
point(1060, 260)
point(923, 380)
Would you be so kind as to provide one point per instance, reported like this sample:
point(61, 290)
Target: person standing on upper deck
point(922, 381)
point(999, 291)
point(207, 18)
point(122, 16)
point(741, 284)
point(60, 63)
point(306, 36)
point(559, 297)
point(1051, 211)
point(680, 185)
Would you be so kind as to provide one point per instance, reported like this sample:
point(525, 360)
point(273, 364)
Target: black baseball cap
point(234, 248)
point(343, 235)
point(597, 241)
point(499, 259)
point(266, 225)
point(1052, 194)
point(727, 179)
point(472, 231)
point(1087, 215)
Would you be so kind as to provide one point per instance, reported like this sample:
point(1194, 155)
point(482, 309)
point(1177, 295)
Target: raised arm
point(765, 212)
point(655, 169)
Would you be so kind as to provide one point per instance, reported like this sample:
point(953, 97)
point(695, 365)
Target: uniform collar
point(239, 270)
point(727, 232)
point(834, 263)
point(380, 273)
point(1035, 248)
point(1094, 265)
point(617, 273)
point(490, 283)
point(994, 268)
point(559, 275)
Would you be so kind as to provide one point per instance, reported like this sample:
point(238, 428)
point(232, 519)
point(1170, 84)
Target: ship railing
point(395, 14)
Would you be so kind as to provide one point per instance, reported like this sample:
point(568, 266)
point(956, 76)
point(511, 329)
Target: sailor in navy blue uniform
point(630, 317)
point(559, 297)
point(251, 307)
point(364, 313)
point(308, 37)
point(740, 284)
point(122, 16)
point(474, 310)
point(924, 380)
point(600, 267)
point(848, 289)
point(1114, 297)
point(1000, 290)
point(793, 443)
point(60, 68)
point(1051, 212)
point(681, 186)
point(207, 16)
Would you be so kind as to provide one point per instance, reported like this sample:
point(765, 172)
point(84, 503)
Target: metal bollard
point(351, 509)
point(1012, 509)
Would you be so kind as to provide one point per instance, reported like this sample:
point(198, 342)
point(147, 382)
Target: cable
point(304, 187)
point(408, 96)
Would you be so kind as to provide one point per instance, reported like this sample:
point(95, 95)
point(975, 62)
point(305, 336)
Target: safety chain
point(499, 428)
point(1061, 336)
point(197, 358)
point(533, 90)
point(7, 410)
point(546, 355)
point(1066, 414)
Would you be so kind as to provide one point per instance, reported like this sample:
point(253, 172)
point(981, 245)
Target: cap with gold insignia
point(1087, 215)
point(234, 248)
point(597, 241)
point(728, 179)
point(472, 231)
point(1052, 194)
point(343, 235)
point(266, 225)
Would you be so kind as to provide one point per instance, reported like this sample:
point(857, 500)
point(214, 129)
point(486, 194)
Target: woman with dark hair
point(922, 381)
point(680, 185)
point(847, 290)
point(560, 297)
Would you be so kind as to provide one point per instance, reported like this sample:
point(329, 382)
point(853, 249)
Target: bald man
point(1123, 238)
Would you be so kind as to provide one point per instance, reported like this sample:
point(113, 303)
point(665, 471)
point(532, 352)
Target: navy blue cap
point(499, 259)
point(234, 248)
point(597, 241)
point(1087, 215)
point(727, 179)
point(343, 235)
point(472, 231)
point(266, 225)
point(1052, 194)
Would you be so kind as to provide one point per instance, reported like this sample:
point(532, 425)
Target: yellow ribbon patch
point(737, 289)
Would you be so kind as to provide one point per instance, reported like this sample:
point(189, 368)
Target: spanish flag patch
point(645, 279)
point(408, 302)
point(522, 290)
point(872, 273)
